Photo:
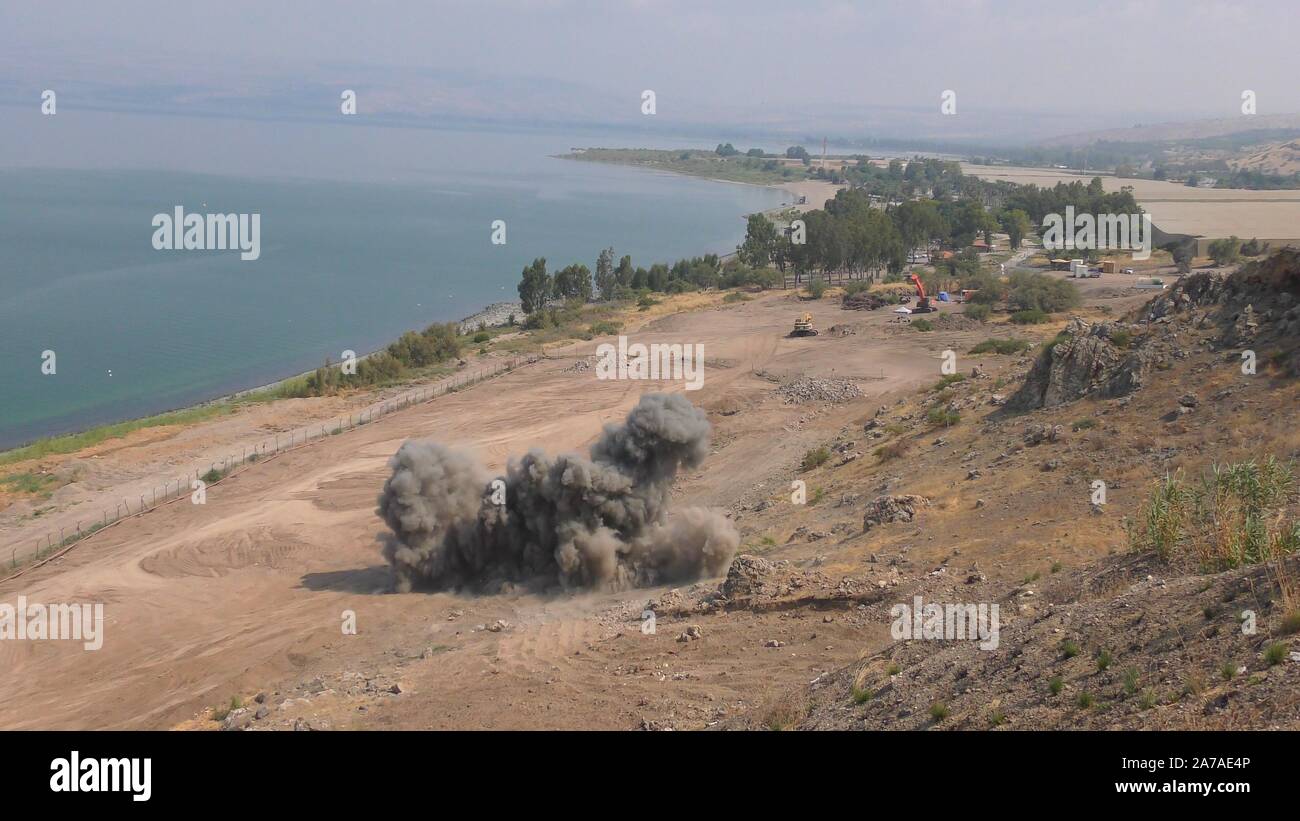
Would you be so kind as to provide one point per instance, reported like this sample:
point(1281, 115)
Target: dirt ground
point(247, 593)
point(242, 601)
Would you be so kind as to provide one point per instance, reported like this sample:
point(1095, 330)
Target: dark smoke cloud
point(600, 522)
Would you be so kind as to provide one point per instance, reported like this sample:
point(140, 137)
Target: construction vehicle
point(923, 305)
point(803, 326)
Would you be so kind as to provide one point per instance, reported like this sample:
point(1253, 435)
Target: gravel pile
point(812, 389)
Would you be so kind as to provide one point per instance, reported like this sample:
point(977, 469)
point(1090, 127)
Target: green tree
point(918, 222)
point(606, 280)
point(760, 241)
point(535, 286)
point(1225, 251)
point(623, 274)
point(1182, 253)
point(657, 277)
point(573, 282)
point(1016, 223)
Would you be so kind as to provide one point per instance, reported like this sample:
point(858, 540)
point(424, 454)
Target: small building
point(1109, 266)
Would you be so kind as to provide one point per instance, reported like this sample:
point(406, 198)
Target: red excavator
point(923, 305)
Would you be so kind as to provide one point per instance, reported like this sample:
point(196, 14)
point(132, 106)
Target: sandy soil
point(817, 192)
point(98, 481)
point(247, 592)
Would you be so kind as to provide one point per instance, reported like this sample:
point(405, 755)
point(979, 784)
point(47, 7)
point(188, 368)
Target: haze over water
point(365, 233)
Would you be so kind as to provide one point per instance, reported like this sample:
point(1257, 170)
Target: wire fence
point(47, 547)
point(836, 277)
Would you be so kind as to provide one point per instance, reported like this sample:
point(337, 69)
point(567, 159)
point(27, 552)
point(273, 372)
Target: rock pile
point(885, 509)
point(812, 389)
point(752, 578)
point(862, 301)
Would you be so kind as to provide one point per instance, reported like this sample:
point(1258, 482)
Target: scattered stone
point(1036, 434)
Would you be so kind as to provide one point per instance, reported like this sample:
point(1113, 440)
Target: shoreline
point(795, 188)
point(471, 322)
point(492, 315)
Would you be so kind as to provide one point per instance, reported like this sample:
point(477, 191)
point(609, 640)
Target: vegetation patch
point(1001, 346)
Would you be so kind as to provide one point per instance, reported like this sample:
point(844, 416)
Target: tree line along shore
point(874, 226)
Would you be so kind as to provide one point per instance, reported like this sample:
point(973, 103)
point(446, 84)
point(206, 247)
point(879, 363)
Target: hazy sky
point(747, 61)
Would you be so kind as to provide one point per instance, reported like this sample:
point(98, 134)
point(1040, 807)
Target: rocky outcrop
point(885, 509)
point(1257, 304)
point(1085, 360)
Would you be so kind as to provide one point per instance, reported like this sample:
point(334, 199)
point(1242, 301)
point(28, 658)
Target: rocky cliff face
point(1256, 307)
point(1085, 360)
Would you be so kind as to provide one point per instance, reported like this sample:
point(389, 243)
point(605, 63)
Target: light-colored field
point(1177, 209)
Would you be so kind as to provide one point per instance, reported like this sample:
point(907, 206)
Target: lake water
point(365, 233)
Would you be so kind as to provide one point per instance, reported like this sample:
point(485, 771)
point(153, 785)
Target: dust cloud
point(601, 522)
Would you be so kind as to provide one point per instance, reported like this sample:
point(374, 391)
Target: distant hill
point(1171, 132)
point(1275, 158)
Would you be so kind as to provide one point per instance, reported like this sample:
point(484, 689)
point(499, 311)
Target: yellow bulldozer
point(803, 326)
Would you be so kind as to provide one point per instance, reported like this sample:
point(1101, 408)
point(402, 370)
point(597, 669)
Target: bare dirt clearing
point(244, 597)
point(246, 593)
